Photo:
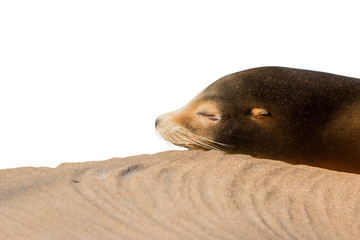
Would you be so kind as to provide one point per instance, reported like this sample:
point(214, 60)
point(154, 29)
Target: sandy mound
point(179, 195)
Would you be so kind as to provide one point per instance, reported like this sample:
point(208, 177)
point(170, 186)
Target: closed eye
point(211, 117)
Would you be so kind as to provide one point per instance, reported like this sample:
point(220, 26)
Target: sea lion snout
point(193, 116)
point(192, 126)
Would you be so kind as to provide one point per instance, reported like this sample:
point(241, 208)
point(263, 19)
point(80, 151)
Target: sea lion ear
point(257, 113)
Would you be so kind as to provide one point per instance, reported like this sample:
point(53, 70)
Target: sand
point(179, 195)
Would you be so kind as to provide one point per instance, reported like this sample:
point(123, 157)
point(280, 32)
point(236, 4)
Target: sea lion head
point(228, 115)
point(295, 115)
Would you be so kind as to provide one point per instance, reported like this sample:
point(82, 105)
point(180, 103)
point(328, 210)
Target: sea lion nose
point(156, 122)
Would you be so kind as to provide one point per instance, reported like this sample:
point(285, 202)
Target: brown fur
point(294, 115)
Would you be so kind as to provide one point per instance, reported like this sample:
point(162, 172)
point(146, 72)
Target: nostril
point(156, 122)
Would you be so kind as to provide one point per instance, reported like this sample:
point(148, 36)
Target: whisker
point(173, 138)
point(197, 142)
point(208, 146)
point(209, 140)
point(167, 140)
point(192, 142)
point(206, 139)
point(184, 138)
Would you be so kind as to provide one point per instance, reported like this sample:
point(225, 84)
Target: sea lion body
point(294, 115)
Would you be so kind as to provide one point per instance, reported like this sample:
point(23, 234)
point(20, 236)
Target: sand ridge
point(179, 195)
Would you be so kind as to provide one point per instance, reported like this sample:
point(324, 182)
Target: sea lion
point(294, 115)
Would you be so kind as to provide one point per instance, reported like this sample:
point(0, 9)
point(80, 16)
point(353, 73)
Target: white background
point(85, 80)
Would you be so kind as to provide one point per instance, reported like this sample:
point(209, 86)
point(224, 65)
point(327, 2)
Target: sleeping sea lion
point(294, 115)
